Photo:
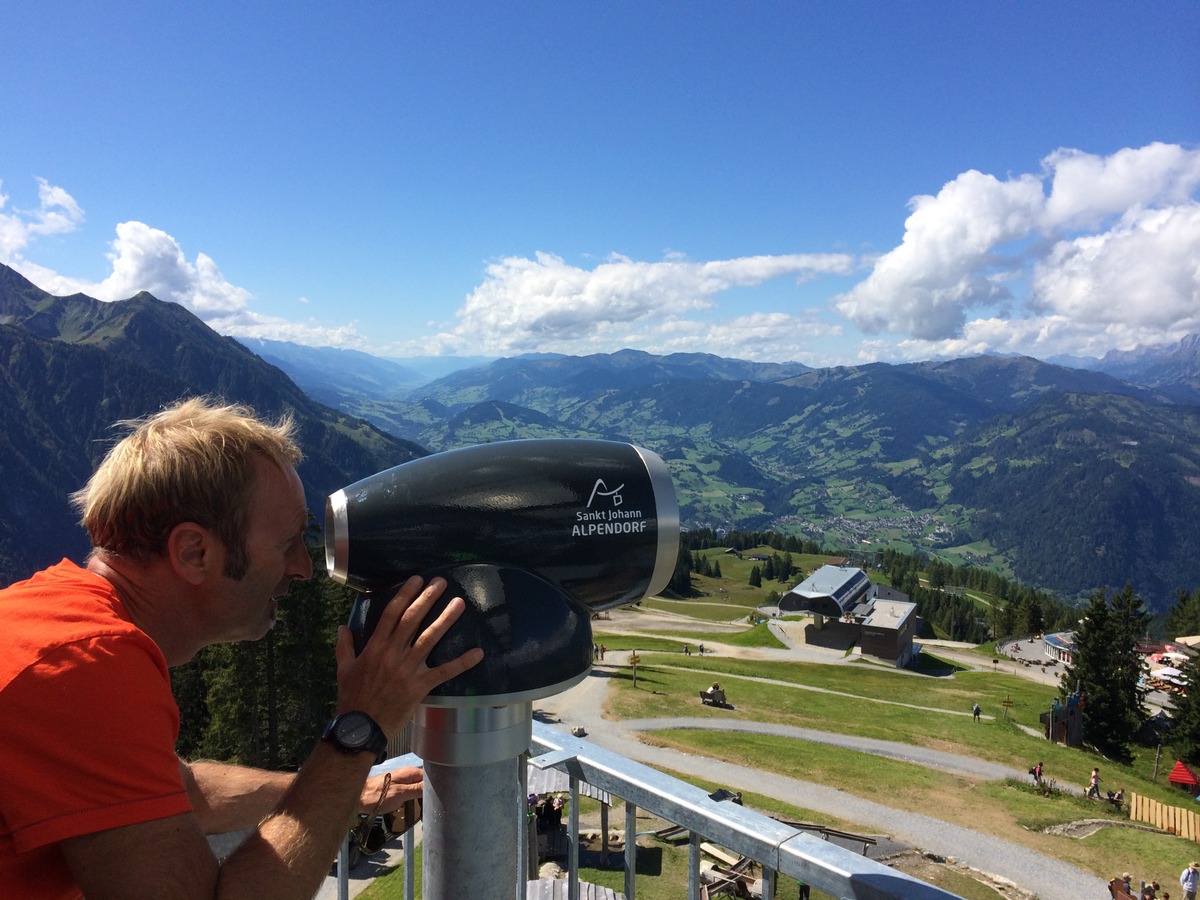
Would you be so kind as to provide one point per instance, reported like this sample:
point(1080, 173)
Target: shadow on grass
point(935, 667)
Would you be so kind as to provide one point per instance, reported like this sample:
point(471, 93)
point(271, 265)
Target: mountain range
point(1065, 478)
point(70, 367)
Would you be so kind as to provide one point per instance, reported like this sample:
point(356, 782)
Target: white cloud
point(1088, 254)
point(547, 304)
point(1086, 188)
point(947, 262)
point(1143, 272)
point(57, 213)
point(1109, 253)
point(148, 259)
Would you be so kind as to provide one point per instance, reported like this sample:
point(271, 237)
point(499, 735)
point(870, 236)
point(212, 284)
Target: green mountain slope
point(874, 455)
point(1088, 489)
point(71, 366)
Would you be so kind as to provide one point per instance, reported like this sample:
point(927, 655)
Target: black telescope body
point(535, 535)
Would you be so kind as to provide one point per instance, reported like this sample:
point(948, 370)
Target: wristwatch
point(356, 732)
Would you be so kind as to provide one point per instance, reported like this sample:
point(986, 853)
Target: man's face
point(275, 549)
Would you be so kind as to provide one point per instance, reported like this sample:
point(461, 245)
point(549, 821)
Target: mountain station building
point(887, 620)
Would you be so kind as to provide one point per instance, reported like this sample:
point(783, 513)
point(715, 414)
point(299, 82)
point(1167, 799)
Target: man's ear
point(193, 551)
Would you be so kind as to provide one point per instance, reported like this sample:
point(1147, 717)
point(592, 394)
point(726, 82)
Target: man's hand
point(390, 678)
point(406, 784)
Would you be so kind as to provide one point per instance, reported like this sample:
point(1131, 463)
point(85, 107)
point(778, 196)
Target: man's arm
point(226, 797)
point(292, 848)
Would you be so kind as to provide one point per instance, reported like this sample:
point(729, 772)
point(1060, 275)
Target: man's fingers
point(400, 603)
point(437, 629)
point(408, 607)
point(448, 670)
point(402, 787)
point(407, 775)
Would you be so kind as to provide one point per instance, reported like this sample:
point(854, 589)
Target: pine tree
point(1029, 611)
point(755, 576)
point(1131, 619)
point(786, 567)
point(681, 579)
point(1104, 669)
point(1184, 617)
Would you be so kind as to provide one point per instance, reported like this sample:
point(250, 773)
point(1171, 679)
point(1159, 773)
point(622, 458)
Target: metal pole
point(630, 849)
point(343, 869)
point(768, 884)
point(573, 849)
point(410, 863)
point(471, 758)
point(693, 865)
point(523, 828)
point(470, 844)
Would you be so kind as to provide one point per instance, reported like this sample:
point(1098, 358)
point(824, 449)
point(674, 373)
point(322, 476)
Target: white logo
point(600, 489)
point(608, 520)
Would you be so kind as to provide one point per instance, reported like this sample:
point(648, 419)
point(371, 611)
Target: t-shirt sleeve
point(88, 742)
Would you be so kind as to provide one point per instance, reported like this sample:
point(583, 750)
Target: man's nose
point(302, 564)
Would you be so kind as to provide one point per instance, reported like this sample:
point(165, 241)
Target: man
point(1189, 881)
point(197, 522)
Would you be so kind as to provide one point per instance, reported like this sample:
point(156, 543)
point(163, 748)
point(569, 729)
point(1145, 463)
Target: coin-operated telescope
point(535, 536)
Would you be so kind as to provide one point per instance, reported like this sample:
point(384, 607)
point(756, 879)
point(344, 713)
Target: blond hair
point(190, 462)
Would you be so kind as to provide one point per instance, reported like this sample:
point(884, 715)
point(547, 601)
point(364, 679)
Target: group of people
point(1148, 891)
point(197, 520)
point(547, 810)
point(598, 650)
point(1122, 888)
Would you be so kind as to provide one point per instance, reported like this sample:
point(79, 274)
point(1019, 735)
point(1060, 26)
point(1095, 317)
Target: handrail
point(781, 849)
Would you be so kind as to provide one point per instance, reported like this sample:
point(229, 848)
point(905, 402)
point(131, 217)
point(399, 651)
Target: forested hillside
point(1064, 479)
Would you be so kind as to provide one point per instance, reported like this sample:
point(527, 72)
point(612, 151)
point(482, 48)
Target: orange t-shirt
point(88, 725)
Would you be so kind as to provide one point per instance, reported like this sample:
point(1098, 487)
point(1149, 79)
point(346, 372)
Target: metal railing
point(780, 849)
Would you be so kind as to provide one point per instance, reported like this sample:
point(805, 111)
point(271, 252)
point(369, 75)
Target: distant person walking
point(1037, 773)
point(687, 649)
point(1189, 881)
point(975, 711)
point(1093, 790)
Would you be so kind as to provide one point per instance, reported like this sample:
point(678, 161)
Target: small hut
point(1183, 777)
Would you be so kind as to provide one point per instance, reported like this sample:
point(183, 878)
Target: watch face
point(354, 729)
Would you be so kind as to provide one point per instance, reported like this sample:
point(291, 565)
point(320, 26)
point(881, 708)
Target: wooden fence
point(1172, 819)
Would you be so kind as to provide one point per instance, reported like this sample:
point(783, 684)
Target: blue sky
point(830, 183)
